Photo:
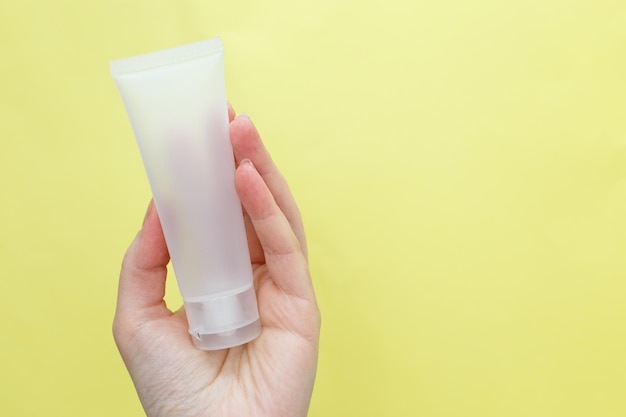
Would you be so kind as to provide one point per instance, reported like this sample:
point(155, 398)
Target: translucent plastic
point(176, 102)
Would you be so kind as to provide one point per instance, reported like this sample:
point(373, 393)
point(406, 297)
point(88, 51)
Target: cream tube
point(176, 103)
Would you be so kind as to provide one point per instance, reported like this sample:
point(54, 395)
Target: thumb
point(144, 269)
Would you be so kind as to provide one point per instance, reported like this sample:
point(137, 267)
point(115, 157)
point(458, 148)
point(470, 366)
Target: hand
point(270, 376)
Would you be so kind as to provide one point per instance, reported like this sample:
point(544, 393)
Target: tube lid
point(223, 320)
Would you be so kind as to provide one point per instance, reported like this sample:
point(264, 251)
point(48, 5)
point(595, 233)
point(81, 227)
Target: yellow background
point(461, 167)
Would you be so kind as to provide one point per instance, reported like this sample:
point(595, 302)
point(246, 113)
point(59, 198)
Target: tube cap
point(223, 320)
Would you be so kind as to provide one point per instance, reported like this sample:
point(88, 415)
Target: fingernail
point(244, 115)
point(148, 211)
point(246, 161)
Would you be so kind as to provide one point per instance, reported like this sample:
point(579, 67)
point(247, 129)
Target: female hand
point(271, 376)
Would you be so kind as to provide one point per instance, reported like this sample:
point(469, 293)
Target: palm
point(252, 378)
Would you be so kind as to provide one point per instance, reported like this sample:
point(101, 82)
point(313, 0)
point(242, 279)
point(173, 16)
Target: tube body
point(176, 102)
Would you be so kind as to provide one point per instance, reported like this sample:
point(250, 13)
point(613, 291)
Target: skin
point(270, 376)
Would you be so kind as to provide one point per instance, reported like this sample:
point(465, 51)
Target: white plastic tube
point(176, 102)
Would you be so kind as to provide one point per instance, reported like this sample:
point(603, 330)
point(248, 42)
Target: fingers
point(247, 143)
point(142, 279)
point(283, 254)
